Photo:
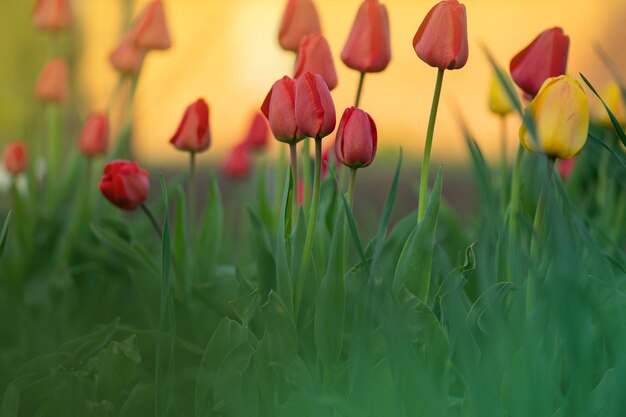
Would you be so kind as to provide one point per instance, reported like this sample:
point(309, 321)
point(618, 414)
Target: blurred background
point(227, 52)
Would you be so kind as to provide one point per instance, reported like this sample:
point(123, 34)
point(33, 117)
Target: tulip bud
point(300, 19)
point(441, 40)
point(315, 110)
point(355, 145)
point(193, 133)
point(94, 137)
point(566, 167)
point(368, 48)
point(612, 96)
point(52, 84)
point(545, 57)
point(237, 164)
point(124, 184)
point(314, 56)
point(561, 116)
point(53, 15)
point(127, 58)
point(150, 31)
point(279, 108)
point(499, 102)
point(15, 158)
point(257, 137)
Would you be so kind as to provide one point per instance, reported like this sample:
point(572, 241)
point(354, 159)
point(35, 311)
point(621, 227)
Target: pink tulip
point(52, 84)
point(237, 164)
point(279, 108)
point(356, 142)
point(127, 58)
point(53, 15)
point(299, 19)
point(314, 56)
point(315, 110)
point(257, 137)
point(94, 138)
point(15, 158)
point(193, 133)
point(124, 184)
point(151, 31)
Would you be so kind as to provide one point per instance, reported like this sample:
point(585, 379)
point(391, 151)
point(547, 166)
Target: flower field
point(293, 284)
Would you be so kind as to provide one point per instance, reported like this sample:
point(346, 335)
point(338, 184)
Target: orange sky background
point(227, 52)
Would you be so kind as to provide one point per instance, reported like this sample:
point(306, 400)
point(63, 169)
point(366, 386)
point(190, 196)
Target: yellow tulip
point(561, 114)
point(612, 96)
point(499, 102)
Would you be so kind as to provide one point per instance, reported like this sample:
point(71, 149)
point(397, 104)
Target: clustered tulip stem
point(427, 147)
point(306, 170)
point(359, 90)
point(294, 187)
point(152, 219)
point(192, 192)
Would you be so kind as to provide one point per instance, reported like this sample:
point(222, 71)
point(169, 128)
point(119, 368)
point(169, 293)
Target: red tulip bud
point(151, 30)
point(441, 40)
point(53, 15)
point(368, 48)
point(94, 137)
point(544, 58)
point(257, 137)
point(279, 108)
point(193, 133)
point(124, 184)
point(237, 164)
point(127, 57)
point(355, 145)
point(314, 56)
point(315, 110)
point(15, 158)
point(52, 84)
point(566, 167)
point(300, 19)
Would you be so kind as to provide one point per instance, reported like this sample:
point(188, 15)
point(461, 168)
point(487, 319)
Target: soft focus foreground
point(309, 283)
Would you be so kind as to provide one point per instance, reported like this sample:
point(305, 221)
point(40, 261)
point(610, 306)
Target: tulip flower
point(315, 110)
point(53, 15)
point(368, 48)
point(545, 57)
point(15, 158)
point(314, 56)
point(52, 84)
point(561, 116)
point(94, 138)
point(612, 96)
point(356, 142)
point(499, 102)
point(151, 31)
point(299, 19)
point(279, 108)
point(127, 58)
point(566, 167)
point(441, 40)
point(257, 137)
point(124, 184)
point(237, 164)
point(193, 133)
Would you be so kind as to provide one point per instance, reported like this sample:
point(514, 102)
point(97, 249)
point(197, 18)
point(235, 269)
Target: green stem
point(514, 203)
point(53, 114)
point(359, 90)
point(294, 174)
point(429, 142)
point(351, 185)
point(504, 165)
point(153, 220)
point(310, 232)
point(192, 195)
point(306, 170)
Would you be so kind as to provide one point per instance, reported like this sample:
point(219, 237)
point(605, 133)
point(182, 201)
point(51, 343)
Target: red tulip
point(314, 56)
point(566, 167)
point(53, 15)
point(441, 40)
point(545, 57)
point(355, 145)
point(127, 57)
point(15, 158)
point(94, 138)
point(237, 164)
point(150, 31)
point(279, 108)
point(193, 133)
point(300, 19)
point(315, 110)
point(368, 48)
point(257, 137)
point(52, 84)
point(124, 184)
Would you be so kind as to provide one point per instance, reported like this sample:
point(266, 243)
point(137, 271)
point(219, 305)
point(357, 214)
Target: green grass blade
point(211, 233)
point(4, 233)
point(607, 147)
point(284, 286)
point(614, 121)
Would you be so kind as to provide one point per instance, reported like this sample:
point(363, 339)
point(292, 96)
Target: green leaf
point(140, 402)
point(117, 368)
point(266, 265)
point(281, 329)
point(179, 239)
point(4, 233)
point(10, 402)
point(211, 232)
point(284, 286)
point(86, 346)
point(607, 147)
point(415, 263)
point(614, 121)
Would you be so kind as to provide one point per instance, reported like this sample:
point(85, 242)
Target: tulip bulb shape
point(299, 19)
point(151, 31)
point(357, 138)
point(53, 15)
point(314, 56)
point(15, 158)
point(52, 84)
point(279, 108)
point(237, 164)
point(545, 57)
point(315, 110)
point(127, 57)
point(94, 138)
point(441, 40)
point(561, 115)
point(499, 102)
point(368, 48)
point(257, 137)
point(193, 133)
point(124, 184)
